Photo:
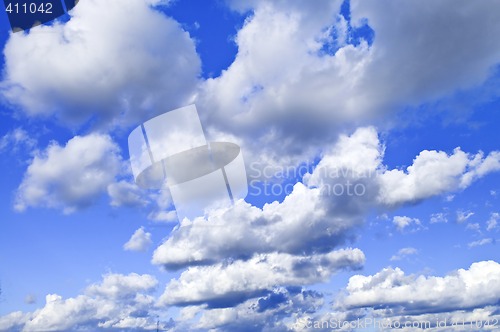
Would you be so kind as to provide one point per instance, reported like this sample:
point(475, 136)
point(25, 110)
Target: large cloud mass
point(115, 61)
point(72, 176)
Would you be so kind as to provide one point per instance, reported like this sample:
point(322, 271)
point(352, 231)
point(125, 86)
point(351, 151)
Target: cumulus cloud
point(492, 223)
point(312, 221)
point(266, 313)
point(70, 177)
point(391, 289)
point(139, 241)
point(223, 285)
point(439, 217)
point(119, 301)
point(462, 216)
point(480, 243)
point(17, 139)
point(123, 193)
point(402, 222)
point(435, 172)
point(300, 75)
point(115, 61)
point(300, 224)
point(404, 252)
point(312, 218)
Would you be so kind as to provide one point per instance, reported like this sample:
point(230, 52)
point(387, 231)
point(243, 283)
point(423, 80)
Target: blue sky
point(401, 100)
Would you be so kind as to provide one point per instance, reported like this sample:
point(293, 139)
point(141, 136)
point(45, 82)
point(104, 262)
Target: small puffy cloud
point(402, 222)
point(480, 243)
point(439, 217)
point(122, 286)
point(163, 216)
point(473, 227)
point(70, 177)
point(226, 284)
point(113, 62)
point(17, 139)
point(465, 289)
point(433, 173)
point(492, 223)
point(119, 301)
point(404, 252)
point(140, 241)
point(462, 216)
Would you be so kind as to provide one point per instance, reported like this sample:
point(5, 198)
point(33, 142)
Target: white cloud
point(480, 243)
point(474, 227)
point(163, 216)
point(124, 193)
point(267, 313)
point(476, 287)
point(492, 223)
point(119, 301)
point(402, 222)
point(16, 139)
point(224, 285)
point(462, 216)
point(439, 217)
point(433, 173)
point(139, 241)
point(283, 86)
point(69, 177)
point(116, 61)
point(298, 223)
point(117, 286)
point(404, 252)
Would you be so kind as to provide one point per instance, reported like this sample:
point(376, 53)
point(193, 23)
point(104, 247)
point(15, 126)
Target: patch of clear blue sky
point(213, 25)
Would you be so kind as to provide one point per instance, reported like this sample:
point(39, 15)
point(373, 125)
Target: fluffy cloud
point(226, 284)
point(475, 287)
point(115, 61)
point(322, 212)
point(16, 139)
point(480, 243)
point(438, 217)
point(267, 313)
point(124, 193)
point(312, 218)
point(300, 74)
point(435, 172)
point(300, 224)
point(70, 177)
point(119, 301)
point(492, 223)
point(404, 252)
point(402, 222)
point(139, 241)
point(462, 216)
